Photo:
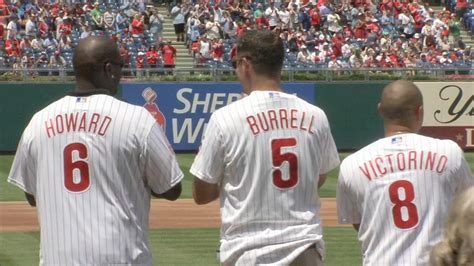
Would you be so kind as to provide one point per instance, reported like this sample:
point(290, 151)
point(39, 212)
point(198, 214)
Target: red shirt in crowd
point(152, 57)
point(140, 61)
point(315, 17)
point(169, 53)
point(138, 27)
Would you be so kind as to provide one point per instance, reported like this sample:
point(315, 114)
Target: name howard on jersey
point(77, 122)
point(280, 119)
point(404, 161)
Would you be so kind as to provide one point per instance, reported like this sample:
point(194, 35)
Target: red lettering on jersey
point(82, 124)
point(389, 158)
point(430, 160)
point(365, 171)
point(94, 119)
point(293, 118)
point(104, 126)
point(50, 128)
point(59, 124)
point(373, 168)
point(302, 122)
point(443, 160)
point(283, 118)
point(311, 128)
point(411, 160)
point(401, 161)
point(420, 166)
point(378, 162)
point(71, 121)
point(253, 124)
point(263, 126)
point(272, 117)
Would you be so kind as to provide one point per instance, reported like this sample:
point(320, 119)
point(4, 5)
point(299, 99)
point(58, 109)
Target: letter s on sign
point(181, 98)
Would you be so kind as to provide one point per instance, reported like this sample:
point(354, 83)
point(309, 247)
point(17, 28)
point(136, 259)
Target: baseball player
point(90, 162)
point(397, 191)
point(266, 155)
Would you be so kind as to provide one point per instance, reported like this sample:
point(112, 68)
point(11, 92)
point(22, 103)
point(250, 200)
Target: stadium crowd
point(326, 34)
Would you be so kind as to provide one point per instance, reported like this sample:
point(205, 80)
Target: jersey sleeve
point(162, 170)
point(209, 162)
point(347, 211)
point(463, 175)
point(23, 174)
point(330, 157)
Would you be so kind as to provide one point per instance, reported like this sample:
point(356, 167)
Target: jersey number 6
point(278, 158)
point(406, 203)
point(81, 167)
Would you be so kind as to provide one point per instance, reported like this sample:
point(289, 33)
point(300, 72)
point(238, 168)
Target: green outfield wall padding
point(18, 103)
point(352, 112)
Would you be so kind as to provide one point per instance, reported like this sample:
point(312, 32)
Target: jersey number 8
point(80, 167)
point(399, 203)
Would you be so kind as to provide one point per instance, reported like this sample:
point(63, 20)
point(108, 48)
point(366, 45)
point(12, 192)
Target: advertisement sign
point(449, 111)
point(183, 109)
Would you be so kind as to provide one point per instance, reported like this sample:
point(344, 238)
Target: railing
point(228, 74)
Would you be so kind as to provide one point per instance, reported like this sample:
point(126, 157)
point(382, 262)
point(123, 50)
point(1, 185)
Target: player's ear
point(379, 108)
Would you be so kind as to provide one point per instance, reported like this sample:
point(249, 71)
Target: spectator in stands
point(152, 57)
point(57, 60)
point(25, 43)
point(169, 55)
point(109, 19)
point(178, 22)
point(42, 60)
point(13, 26)
point(218, 50)
point(50, 42)
point(140, 60)
point(156, 24)
point(213, 29)
point(303, 55)
point(121, 21)
point(97, 17)
point(272, 15)
point(37, 43)
point(64, 43)
point(205, 48)
point(86, 32)
point(30, 26)
point(138, 26)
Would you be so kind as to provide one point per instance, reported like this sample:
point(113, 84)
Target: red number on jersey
point(81, 166)
point(279, 158)
point(407, 203)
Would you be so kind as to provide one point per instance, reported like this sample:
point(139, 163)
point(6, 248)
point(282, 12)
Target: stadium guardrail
point(227, 74)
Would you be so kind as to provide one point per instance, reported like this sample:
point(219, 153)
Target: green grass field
point(177, 246)
point(181, 247)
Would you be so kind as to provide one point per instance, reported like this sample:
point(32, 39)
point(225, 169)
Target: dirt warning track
point(20, 217)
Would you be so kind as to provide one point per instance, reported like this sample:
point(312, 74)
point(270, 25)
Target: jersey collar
point(89, 93)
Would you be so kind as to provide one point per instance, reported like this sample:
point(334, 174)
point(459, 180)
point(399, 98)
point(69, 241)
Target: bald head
point(94, 50)
point(401, 101)
point(95, 61)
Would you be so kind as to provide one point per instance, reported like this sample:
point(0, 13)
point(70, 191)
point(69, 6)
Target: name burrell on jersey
point(402, 161)
point(280, 119)
point(77, 122)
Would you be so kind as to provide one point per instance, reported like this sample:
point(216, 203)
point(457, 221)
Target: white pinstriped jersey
point(91, 162)
point(399, 190)
point(267, 151)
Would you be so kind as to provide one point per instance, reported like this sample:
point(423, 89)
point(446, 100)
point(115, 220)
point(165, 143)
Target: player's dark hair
point(264, 49)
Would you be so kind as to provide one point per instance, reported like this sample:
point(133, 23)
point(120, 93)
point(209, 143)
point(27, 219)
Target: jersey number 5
point(78, 168)
point(406, 203)
point(278, 158)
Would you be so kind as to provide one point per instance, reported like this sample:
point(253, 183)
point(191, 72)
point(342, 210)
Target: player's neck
point(391, 130)
point(264, 84)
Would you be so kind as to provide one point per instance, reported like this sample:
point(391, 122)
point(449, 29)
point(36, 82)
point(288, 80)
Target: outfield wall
point(183, 109)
